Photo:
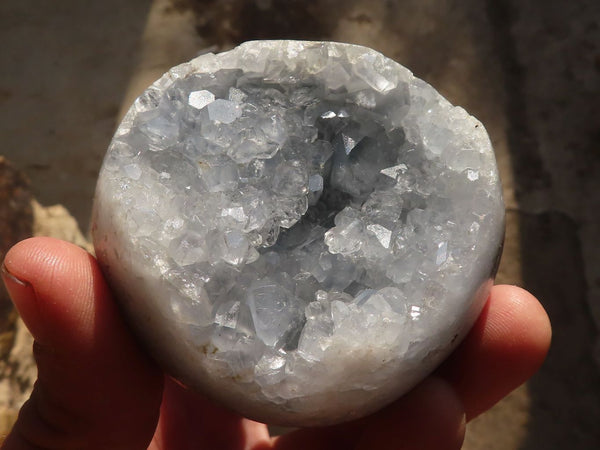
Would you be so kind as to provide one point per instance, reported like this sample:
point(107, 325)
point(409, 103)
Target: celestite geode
point(300, 230)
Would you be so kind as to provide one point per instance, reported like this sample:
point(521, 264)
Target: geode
point(300, 230)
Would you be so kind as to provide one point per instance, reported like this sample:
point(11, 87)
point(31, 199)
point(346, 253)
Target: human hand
point(97, 389)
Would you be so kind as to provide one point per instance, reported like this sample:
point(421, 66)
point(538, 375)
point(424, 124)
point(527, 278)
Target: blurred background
point(529, 70)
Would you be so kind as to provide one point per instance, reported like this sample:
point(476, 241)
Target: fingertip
point(52, 282)
point(23, 297)
point(516, 331)
point(522, 322)
point(505, 347)
point(94, 383)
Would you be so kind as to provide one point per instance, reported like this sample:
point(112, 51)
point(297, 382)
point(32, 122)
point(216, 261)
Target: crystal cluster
point(303, 230)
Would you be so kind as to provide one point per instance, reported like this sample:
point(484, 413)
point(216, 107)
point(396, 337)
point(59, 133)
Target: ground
point(529, 70)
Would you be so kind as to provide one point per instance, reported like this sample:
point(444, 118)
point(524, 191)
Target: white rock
point(303, 230)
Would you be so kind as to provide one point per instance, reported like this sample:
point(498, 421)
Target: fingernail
point(10, 279)
point(24, 298)
point(17, 288)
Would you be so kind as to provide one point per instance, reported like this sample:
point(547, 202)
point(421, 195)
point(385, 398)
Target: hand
point(96, 388)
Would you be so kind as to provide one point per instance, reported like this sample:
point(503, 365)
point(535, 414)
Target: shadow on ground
point(531, 40)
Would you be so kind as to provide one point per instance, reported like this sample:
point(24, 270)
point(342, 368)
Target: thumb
point(95, 388)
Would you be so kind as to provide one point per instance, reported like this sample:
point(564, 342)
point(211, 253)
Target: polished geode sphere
point(300, 230)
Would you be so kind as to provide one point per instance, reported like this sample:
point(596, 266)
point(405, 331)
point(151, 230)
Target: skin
point(96, 388)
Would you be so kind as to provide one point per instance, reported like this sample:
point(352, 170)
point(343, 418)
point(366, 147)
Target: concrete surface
point(529, 70)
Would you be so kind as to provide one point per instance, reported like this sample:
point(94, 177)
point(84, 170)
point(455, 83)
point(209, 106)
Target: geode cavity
point(300, 230)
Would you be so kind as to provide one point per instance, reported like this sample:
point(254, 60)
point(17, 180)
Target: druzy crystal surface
point(301, 230)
